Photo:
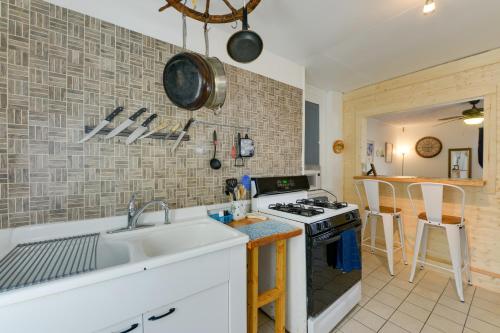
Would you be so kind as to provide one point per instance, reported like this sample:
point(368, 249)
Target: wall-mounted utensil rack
point(127, 132)
point(33, 263)
point(247, 129)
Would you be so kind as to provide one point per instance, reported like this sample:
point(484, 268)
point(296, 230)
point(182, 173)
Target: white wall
point(142, 16)
point(452, 135)
point(381, 133)
point(330, 103)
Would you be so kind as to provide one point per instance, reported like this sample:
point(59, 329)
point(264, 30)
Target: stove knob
point(319, 227)
point(326, 225)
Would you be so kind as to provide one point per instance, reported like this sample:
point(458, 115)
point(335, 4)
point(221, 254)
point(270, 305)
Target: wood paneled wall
point(465, 79)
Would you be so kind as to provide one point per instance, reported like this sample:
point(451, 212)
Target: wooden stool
point(254, 299)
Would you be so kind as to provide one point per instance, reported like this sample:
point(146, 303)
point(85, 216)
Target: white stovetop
point(311, 219)
point(261, 205)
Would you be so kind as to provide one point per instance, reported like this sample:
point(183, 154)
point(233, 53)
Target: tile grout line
point(468, 311)
point(363, 307)
point(434, 307)
point(66, 130)
point(29, 110)
point(395, 310)
point(6, 114)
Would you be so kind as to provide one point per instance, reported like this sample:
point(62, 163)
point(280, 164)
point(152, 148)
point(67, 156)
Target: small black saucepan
point(245, 45)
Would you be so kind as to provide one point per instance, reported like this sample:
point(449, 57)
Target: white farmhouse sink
point(111, 254)
point(178, 238)
point(121, 255)
point(165, 240)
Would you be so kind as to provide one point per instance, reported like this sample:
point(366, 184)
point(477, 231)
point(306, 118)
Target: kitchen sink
point(53, 259)
point(111, 254)
point(178, 238)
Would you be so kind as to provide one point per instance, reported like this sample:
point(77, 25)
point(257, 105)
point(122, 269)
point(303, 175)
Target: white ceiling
point(349, 44)
point(428, 116)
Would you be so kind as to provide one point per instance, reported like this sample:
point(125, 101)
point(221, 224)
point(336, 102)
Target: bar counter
point(415, 179)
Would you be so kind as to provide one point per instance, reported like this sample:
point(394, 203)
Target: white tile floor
point(429, 305)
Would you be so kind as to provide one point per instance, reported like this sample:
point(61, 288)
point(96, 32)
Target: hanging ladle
point(215, 163)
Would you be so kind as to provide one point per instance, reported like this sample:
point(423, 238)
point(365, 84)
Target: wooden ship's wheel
point(205, 17)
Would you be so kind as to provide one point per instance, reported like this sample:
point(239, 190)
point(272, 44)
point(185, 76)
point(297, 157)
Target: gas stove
point(319, 293)
point(323, 202)
point(297, 209)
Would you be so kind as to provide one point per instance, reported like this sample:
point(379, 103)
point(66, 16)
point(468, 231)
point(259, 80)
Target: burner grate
point(297, 209)
point(322, 202)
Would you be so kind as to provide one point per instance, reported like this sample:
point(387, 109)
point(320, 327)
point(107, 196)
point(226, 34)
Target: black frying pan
point(245, 45)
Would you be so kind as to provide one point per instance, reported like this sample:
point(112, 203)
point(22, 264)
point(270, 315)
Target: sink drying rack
point(36, 262)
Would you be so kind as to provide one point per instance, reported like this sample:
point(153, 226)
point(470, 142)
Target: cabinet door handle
point(153, 318)
point(131, 328)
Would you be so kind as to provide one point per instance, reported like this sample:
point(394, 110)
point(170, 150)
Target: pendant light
point(429, 7)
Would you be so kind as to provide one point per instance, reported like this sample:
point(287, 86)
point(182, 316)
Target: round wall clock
point(428, 147)
point(338, 146)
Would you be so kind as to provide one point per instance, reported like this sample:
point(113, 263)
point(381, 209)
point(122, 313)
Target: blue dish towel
point(348, 257)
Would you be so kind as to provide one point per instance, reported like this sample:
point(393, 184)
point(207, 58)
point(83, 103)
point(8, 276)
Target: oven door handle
point(326, 241)
point(331, 240)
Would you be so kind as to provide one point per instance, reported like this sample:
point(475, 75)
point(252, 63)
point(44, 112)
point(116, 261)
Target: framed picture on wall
point(370, 151)
point(460, 163)
point(388, 152)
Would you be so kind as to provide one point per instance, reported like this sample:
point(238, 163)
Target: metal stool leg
point(388, 221)
point(423, 248)
point(401, 229)
point(453, 235)
point(373, 231)
point(418, 241)
point(364, 224)
point(466, 254)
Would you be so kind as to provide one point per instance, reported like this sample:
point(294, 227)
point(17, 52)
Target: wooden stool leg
point(279, 324)
point(253, 290)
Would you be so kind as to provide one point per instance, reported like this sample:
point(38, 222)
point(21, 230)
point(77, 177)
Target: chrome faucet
point(134, 214)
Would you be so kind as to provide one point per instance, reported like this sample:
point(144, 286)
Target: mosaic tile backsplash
point(61, 70)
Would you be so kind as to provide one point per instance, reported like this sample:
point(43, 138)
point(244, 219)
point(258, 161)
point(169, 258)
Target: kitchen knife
point(126, 123)
point(181, 135)
point(141, 129)
point(163, 124)
point(172, 130)
point(102, 124)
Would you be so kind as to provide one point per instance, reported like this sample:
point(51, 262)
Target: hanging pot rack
point(205, 17)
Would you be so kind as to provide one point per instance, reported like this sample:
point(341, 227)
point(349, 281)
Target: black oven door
point(325, 282)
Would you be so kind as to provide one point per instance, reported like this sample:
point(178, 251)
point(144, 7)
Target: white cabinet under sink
point(208, 293)
point(205, 312)
point(132, 325)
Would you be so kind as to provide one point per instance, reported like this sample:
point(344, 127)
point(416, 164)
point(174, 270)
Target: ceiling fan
point(472, 116)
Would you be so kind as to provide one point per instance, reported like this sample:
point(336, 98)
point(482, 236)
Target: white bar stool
point(388, 215)
point(454, 226)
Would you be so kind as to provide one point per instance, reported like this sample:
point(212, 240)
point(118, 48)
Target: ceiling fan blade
point(454, 117)
point(446, 122)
